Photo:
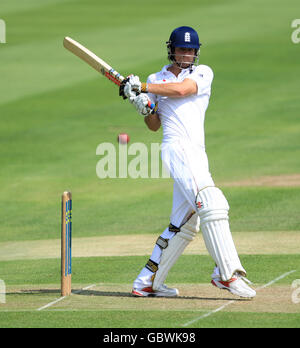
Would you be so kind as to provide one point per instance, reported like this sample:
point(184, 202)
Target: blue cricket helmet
point(184, 37)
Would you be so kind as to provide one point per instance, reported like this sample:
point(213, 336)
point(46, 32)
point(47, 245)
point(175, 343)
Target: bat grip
point(151, 105)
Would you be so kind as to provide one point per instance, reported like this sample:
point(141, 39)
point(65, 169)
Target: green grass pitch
point(55, 110)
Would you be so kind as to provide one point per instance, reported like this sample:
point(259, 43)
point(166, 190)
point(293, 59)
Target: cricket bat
point(94, 61)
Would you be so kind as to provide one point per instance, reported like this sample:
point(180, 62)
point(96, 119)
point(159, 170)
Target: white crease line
point(275, 280)
point(209, 313)
point(86, 288)
point(232, 301)
point(63, 297)
point(51, 303)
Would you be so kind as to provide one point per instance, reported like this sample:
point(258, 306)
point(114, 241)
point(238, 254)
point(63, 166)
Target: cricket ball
point(123, 138)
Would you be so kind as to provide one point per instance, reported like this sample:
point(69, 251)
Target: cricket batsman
point(181, 93)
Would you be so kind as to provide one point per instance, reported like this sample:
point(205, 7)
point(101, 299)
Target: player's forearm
point(166, 89)
point(175, 90)
point(153, 122)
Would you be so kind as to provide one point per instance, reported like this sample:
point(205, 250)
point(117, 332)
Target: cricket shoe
point(162, 291)
point(237, 285)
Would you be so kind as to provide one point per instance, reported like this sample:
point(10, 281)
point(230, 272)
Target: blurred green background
point(55, 110)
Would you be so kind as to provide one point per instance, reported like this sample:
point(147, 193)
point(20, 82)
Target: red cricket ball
point(123, 138)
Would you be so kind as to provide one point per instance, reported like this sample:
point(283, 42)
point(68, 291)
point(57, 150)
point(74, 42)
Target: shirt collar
point(165, 70)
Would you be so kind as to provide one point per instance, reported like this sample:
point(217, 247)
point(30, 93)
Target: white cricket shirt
point(183, 117)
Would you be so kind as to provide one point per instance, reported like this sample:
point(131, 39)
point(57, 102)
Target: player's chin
point(185, 65)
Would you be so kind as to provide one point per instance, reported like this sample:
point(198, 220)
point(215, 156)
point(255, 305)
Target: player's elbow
point(186, 88)
point(183, 91)
point(154, 127)
point(152, 122)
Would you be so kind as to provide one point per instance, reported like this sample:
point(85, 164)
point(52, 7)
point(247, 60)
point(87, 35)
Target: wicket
point(66, 243)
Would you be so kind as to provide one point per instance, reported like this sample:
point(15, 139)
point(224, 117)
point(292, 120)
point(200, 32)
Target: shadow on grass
point(121, 294)
point(127, 294)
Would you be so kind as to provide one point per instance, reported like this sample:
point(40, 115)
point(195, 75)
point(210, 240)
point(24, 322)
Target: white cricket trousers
point(188, 166)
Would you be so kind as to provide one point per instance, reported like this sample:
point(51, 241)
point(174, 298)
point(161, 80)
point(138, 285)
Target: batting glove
point(143, 104)
point(130, 87)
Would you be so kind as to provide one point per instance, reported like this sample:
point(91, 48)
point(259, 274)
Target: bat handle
point(151, 105)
